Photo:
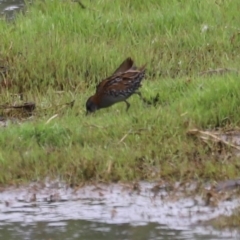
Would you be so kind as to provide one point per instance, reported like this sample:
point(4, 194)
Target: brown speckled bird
point(124, 82)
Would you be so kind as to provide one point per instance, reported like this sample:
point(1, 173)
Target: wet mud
point(136, 204)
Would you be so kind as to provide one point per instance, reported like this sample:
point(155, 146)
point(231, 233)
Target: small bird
point(124, 82)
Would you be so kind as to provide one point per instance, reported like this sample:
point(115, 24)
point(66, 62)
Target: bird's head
point(91, 105)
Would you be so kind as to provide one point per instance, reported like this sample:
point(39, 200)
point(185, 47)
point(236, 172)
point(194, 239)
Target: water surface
point(79, 229)
point(52, 210)
point(8, 8)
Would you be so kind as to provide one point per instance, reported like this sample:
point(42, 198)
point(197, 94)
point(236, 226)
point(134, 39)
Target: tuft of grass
point(56, 52)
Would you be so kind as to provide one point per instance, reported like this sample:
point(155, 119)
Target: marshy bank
point(53, 55)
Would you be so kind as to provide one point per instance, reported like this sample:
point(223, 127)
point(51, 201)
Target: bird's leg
point(139, 94)
point(141, 97)
point(152, 101)
point(128, 105)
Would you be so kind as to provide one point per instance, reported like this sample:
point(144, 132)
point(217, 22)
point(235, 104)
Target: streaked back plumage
point(124, 82)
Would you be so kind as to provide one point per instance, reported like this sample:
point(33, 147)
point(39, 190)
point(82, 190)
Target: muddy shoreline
point(177, 206)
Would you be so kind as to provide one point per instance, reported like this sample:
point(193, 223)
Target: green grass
point(58, 46)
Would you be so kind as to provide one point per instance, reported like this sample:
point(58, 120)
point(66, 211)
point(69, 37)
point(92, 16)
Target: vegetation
point(57, 51)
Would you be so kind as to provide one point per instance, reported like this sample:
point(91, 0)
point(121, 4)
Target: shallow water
point(116, 211)
point(79, 229)
point(9, 7)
